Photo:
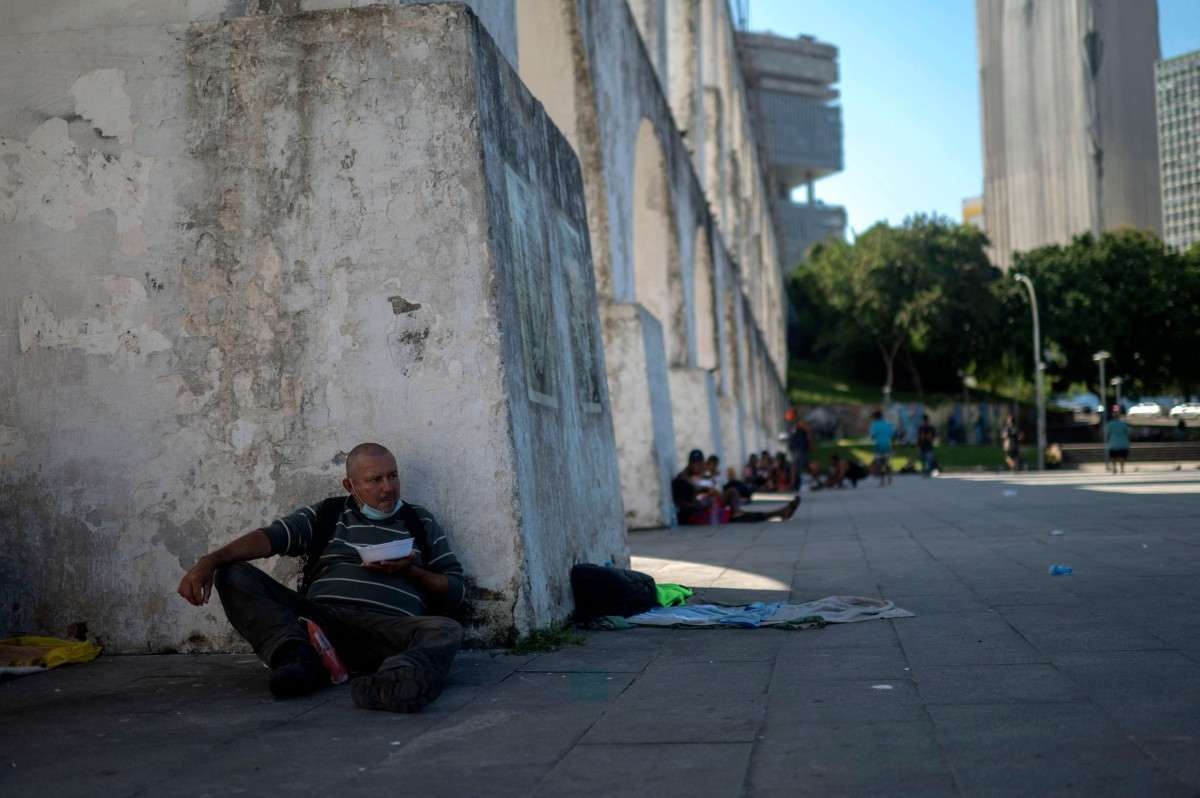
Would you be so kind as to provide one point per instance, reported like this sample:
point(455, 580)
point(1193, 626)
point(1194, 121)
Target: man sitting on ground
point(694, 506)
point(378, 616)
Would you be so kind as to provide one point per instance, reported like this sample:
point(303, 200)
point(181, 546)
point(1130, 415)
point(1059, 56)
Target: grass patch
point(813, 383)
point(956, 458)
point(552, 638)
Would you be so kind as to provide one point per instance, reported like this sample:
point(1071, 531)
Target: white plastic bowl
point(392, 550)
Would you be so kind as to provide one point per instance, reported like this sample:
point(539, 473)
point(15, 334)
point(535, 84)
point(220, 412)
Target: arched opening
point(546, 61)
point(657, 279)
point(704, 297)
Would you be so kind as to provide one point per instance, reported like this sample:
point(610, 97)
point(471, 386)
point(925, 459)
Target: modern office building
point(1177, 90)
point(791, 88)
point(1069, 144)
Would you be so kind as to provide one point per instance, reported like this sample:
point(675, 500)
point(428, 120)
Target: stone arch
point(546, 61)
point(704, 302)
point(650, 18)
point(658, 283)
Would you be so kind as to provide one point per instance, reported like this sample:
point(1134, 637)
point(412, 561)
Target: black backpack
point(328, 513)
point(603, 590)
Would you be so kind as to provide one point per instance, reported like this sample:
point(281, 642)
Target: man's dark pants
point(267, 615)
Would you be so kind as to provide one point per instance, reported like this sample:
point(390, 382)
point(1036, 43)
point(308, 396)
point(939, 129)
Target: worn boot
point(297, 670)
point(405, 687)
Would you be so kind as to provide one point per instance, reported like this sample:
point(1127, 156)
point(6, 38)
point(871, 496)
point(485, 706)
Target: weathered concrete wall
point(695, 413)
point(641, 409)
point(234, 250)
point(558, 399)
point(656, 242)
point(20, 17)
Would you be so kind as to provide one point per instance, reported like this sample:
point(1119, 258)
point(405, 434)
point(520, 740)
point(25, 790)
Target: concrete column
point(734, 445)
point(641, 408)
point(695, 414)
point(266, 240)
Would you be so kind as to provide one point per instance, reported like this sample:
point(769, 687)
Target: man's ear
point(349, 486)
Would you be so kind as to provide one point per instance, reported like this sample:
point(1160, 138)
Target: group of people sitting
point(764, 472)
point(703, 498)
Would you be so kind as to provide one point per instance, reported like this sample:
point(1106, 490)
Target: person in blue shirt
point(1117, 440)
point(881, 432)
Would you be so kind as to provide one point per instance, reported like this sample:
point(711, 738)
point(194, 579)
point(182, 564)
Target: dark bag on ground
point(601, 591)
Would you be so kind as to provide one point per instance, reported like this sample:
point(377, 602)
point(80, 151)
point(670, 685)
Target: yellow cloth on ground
point(28, 651)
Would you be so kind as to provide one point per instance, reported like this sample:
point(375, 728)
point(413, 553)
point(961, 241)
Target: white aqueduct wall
point(239, 237)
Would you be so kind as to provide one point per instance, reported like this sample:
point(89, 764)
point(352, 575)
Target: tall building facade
point(1069, 145)
point(791, 89)
point(1177, 90)
point(972, 213)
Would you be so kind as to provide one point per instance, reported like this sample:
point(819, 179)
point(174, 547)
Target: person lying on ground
point(379, 617)
point(695, 506)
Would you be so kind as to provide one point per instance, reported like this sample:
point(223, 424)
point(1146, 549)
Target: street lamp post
point(1100, 357)
point(1038, 369)
point(1116, 382)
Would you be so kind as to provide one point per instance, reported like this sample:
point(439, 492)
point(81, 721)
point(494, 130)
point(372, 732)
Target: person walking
point(1118, 440)
point(800, 443)
point(882, 433)
point(926, 435)
point(1010, 439)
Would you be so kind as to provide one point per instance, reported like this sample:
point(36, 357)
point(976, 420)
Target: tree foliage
point(1123, 292)
point(919, 296)
point(921, 304)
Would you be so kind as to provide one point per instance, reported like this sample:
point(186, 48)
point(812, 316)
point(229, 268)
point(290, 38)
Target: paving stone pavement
point(1008, 681)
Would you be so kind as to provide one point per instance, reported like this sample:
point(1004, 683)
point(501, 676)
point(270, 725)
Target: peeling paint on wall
point(100, 96)
point(48, 178)
point(114, 331)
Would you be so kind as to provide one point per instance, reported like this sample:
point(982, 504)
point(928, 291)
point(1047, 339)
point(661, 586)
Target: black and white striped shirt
point(341, 578)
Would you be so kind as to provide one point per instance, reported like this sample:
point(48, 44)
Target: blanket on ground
point(831, 609)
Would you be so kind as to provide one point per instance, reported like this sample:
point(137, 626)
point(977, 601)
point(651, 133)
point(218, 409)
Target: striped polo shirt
point(341, 577)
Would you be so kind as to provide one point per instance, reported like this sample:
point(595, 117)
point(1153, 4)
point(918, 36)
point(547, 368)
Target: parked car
point(1186, 410)
point(1145, 410)
point(1080, 403)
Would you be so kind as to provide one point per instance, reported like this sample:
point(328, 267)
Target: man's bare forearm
point(429, 581)
point(250, 546)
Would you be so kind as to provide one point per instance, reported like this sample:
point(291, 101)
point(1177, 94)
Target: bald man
point(379, 617)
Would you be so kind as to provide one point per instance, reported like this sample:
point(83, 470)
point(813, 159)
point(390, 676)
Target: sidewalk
point(1008, 681)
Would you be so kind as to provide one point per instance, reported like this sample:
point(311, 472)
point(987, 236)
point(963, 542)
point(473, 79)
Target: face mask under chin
point(374, 514)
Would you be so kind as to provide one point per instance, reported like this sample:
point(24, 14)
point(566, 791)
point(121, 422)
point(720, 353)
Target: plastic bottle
point(329, 658)
point(1059, 570)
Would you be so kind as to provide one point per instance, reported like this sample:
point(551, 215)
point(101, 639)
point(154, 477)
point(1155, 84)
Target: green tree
point(1123, 292)
point(919, 296)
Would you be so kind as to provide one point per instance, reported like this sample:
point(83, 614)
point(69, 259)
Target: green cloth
point(673, 595)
